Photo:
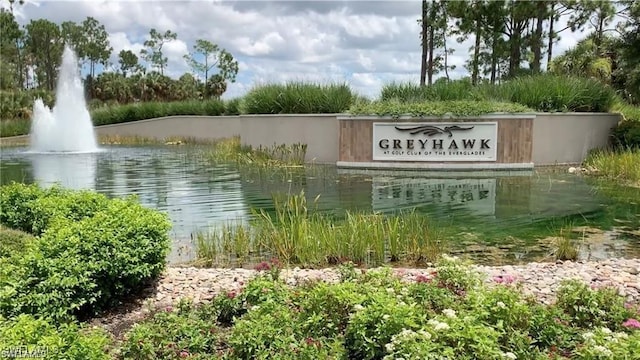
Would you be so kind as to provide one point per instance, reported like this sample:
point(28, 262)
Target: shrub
point(13, 241)
point(186, 331)
point(44, 340)
point(626, 135)
point(149, 110)
point(436, 108)
point(232, 107)
point(298, 98)
point(591, 308)
point(271, 332)
point(91, 251)
point(374, 325)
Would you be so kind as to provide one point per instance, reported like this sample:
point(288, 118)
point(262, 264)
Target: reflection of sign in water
point(463, 141)
point(476, 195)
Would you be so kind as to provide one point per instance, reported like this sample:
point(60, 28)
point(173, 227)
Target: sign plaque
point(442, 141)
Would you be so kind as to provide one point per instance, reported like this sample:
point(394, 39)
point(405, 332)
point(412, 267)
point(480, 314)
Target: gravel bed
point(202, 284)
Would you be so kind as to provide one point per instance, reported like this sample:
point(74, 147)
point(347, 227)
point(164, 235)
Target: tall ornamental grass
point(298, 98)
point(547, 93)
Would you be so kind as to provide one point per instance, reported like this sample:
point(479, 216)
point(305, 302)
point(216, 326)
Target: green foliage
point(90, 251)
point(13, 241)
point(297, 234)
point(627, 134)
point(590, 308)
point(232, 107)
point(622, 165)
point(174, 333)
point(18, 105)
point(232, 151)
point(44, 340)
point(546, 93)
point(436, 108)
point(149, 110)
point(373, 326)
point(558, 93)
point(376, 315)
point(298, 98)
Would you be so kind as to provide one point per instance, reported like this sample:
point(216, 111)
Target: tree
point(11, 48)
point(73, 36)
point(628, 69)
point(128, 62)
point(598, 13)
point(212, 56)
point(96, 49)
point(153, 53)
point(45, 44)
point(432, 35)
point(470, 19)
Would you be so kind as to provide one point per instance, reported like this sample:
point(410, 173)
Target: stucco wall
point(319, 132)
point(557, 138)
point(567, 138)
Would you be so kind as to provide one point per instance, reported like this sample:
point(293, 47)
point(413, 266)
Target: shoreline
point(202, 284)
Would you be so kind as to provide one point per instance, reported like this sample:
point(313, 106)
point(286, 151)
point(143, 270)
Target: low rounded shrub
point(88, 254)
point(13, 241)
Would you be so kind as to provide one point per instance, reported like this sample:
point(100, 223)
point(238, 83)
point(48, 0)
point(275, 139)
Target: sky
point(363, 43)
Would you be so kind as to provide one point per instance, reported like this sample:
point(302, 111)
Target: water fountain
point(67, 127)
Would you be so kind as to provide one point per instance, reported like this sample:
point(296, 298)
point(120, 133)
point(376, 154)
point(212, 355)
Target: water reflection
point(507, 214)
point(74, 171)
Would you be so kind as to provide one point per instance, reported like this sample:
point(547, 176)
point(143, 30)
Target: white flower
point(254, 308)
point(389, 347)
point(621, 335)
point(602, 350)
point(437, 325)
point(501, 305)
point(588, 335)
point(385, 317)
point(390, 290)
point(426, 335)
point(358, 307)
point(449, 313)
point(510, 355)
point(606, 330)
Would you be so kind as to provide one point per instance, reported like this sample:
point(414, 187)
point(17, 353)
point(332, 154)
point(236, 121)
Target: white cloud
point(365, 43)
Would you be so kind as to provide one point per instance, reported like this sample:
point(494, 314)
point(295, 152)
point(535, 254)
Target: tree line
point(30, 57)
point(511, 38)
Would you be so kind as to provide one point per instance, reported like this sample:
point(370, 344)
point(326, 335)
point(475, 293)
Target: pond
point(491, 217)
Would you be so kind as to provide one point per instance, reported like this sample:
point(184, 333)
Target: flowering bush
point(446, 314)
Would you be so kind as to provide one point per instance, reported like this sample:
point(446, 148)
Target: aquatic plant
point(298, 234)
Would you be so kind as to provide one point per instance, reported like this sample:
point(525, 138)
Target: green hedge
point(150, 110)
point(436, 108)
point(89, 251)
